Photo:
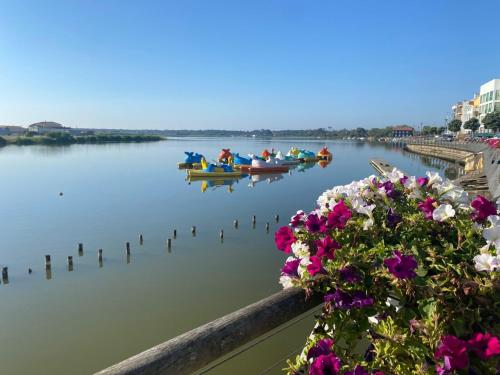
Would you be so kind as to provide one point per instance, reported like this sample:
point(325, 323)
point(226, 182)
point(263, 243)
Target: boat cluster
point(232, 164)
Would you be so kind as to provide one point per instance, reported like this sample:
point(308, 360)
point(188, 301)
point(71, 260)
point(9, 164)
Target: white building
point(47, 127)
point(489, 95)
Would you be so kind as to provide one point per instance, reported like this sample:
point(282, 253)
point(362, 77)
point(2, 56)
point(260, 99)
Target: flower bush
point(409, 272)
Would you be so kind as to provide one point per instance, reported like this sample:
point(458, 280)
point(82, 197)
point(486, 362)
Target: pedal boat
point(212, 170)
point(324, 154)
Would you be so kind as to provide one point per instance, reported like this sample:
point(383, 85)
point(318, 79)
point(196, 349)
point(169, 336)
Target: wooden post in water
point(80, 249)
point(277, 217)
point(193, 230)
point(5, 275)
point(235, 224)
point(99, 255)
point(254, 219)
point(70, 263)
point(175, 233)
point(141, 239)
point(221, 235)
point(48, 263)
point(127, 246)
point(169, 243)
point(267, 227)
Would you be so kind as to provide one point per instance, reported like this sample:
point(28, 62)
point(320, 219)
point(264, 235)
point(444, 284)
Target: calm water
point(82, 321)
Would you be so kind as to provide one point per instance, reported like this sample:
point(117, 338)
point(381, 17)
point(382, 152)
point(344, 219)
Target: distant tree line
point(61, 138)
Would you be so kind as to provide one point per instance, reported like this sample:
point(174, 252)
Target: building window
point(497, 95)
point(497, 106)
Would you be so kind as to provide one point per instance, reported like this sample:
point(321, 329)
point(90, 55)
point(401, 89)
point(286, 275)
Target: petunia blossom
point(358, 370)
point(393, 218)
point(486, 262)
point(291, 267)
point(401, 266)
point(492, 236)
point(443, 212)
point(346, 301)
point(284, 238)
point(350, 274)
point(484, 345)
point(315, 223)
point(315, 266)
point(322, 347)
point(427, 207)
point(325, 365)
point(339, 216)
point(300, 249)
point(298, 219)
point(422, 181)
point(482, 208)
point(326, 247)
point(454, 352)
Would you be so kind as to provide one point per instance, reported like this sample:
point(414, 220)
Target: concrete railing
point(197, 348)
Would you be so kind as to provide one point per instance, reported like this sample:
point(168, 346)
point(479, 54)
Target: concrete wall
point(492, 171)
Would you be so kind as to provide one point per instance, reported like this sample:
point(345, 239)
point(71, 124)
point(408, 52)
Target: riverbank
point(56, 139)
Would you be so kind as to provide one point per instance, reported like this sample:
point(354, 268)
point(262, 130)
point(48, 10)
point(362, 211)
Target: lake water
point(81, 321)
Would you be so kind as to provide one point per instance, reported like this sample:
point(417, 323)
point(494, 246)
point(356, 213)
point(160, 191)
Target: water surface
point(81, 321)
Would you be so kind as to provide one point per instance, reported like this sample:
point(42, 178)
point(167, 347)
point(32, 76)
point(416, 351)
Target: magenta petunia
point(401, 266)
point(322, 347)
point(427, 207)
point(325, 365)
point(339, 216)
point(298, 219)
point(403, 180)
point(390, 190)
point(422, 181)
point(358, 370)
point(454, 352)
point(346, 301)
point(291, 268)
point(326, 247)
point(284, 239)
point(393, 218)
point(315, 223)
point(484, 345)
point(315, 266)
point(482, 208)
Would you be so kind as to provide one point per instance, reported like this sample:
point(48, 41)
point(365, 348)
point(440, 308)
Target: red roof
point(403, 128)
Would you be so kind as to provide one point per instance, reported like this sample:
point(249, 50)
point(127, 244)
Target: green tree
point(472, 124)
point(492, 121)
point(455, 125)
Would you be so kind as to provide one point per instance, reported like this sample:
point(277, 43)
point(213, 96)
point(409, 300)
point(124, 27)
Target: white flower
point(486, 262)
point(443, 212)
point(492, 236)
point(300, 250)
point(395, 175)
point(494, 220)
point(434, 177)
point(287, 282)
point(452, 192)
point(304, 262)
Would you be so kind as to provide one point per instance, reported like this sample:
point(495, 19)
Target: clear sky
point(243, 64)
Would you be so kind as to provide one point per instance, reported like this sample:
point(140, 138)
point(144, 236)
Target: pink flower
point(401, 266)
point(339, 216)
point(291, 268)
point(454, 352)
point(484, 345)
point(427, 207)
point(322, 347)
point(483, 208)
point(326, 247)
point(325, 365)
point(422, 181)
point(298, 219)
point(284, 239)
point(315, 266)
point(315, 223)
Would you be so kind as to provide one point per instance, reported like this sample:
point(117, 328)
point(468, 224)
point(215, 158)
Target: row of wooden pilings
point(48, 259)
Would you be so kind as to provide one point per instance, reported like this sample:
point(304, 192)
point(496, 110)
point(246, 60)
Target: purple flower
point(427, 207)
point(326, 247)
point(284, 239)
point(322, 347)
point(403, 180)
point(483, 208)
point(350, 274)
point(393, 218)
point(390, 191)
point(325, 365)
point(401, 266)
point(422, 181)
point(454, 352)
point(358, 370)
point(346, 301)
point(298, 219)
point(315, 266)
point(339, 216)
point(484, 345)
point(291, 268)
point(315, 223)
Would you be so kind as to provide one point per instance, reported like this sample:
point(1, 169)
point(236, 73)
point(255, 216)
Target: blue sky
point(242, 64)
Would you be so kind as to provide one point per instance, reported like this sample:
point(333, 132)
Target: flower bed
point(409, 273)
